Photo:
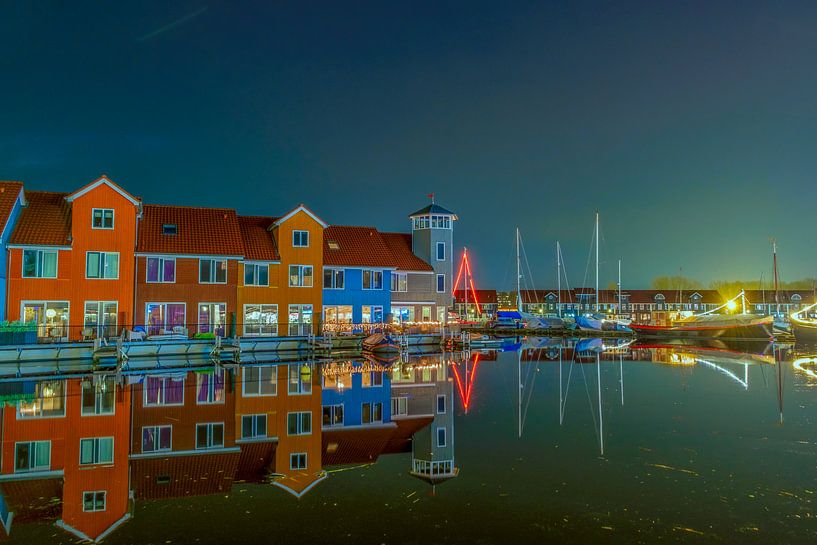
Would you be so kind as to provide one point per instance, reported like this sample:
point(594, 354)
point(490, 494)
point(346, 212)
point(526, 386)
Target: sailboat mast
point(619, 287)
point(776, 280)
point(518, 275)
point(465, 280)
point(559, 279)
point(597, 261)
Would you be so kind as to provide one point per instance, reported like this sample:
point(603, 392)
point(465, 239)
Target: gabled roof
point(758, 297)
point(9, 193)
point(433, 209)
point(200, 231)
point(355, 246)
point(304, 209)
point(102, 180)
point(259, 243)
point(44, 221)
point(403, 258)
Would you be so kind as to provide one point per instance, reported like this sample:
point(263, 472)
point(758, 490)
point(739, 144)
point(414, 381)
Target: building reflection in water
point(80, 449)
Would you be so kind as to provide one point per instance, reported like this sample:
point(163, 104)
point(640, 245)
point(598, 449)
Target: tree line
point(728, 288)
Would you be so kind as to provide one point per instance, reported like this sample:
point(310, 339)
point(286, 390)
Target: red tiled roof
point(483, 296)
point(9, 191)
point(350, 246)
point(259, 244)
point(200, 231)
point(44, 221)
point(404, 259)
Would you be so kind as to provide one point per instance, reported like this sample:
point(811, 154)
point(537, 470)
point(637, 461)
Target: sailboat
point(710, 325)
point(803, 327)
point(598, 321)
point(528, 320)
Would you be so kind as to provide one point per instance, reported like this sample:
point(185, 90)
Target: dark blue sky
point(691, 126)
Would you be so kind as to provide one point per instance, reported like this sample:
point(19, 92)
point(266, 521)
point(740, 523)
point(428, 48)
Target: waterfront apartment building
point(476, 304)
point(357, 276)
point(637, 305)
point(70, 263)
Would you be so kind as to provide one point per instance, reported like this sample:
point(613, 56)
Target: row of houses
point(638, 305)
point(79, 451)
point(98, 260)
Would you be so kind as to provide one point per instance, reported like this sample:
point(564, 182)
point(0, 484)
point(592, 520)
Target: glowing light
point(731, 305)
point(800, 363)
point(465, 393)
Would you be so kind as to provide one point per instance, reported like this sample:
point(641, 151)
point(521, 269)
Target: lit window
point(98, 398)
point(260, 320)
point(371, 412)
point(399, 282)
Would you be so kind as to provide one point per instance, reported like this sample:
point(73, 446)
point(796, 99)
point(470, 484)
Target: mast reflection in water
point(548, 446)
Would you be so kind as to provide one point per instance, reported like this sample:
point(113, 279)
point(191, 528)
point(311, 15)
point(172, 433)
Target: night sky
point(691, 126)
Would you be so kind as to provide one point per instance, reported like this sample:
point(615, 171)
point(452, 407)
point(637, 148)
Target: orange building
point(277, 413)
point(187, 270)
point(280, 280)
point(71, 261)
point(65, 455)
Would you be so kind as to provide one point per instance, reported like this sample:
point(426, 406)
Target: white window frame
point(301, 276)
point(38, 267)
point(372, 274)
point(211, 327)
point(103, 210)
point(440, 244)
point(397, 276)
point(255, 427)
point(210, 426)
point(261, 307)
point(213, 268)
point(437, 437)
point(211, 387)
point(162, 261)
point(371, 404)
point(36, 445)
point(255, 267)
point(158, 434)
point(162, 404)
point(20, 416)
point(96, 441)
point(302, 388)
point(334, 276)
point(299, 416)
point(164, 312)
point(274, 377)
point(97, 396)
point(396, 403)
point(95, 493)
point(445, 404)
point(297, 456)
point(300, 233)
point(332, 412)
point(103, 258)
point(437, 286)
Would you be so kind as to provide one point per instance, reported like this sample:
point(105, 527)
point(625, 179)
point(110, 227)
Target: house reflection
point(80, 450)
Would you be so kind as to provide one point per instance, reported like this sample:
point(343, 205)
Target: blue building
point(355, 393)
point(357, 275)
point(12, 199)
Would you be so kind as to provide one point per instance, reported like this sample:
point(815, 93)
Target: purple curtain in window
point(153, 384)
point(218, 386)
point(148, 440)
point(204, 384)
point(153, 270)
point(174, 391)
point(170, 271)
point(164, 438)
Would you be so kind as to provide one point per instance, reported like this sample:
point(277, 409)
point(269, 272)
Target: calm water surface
point(688, 446)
